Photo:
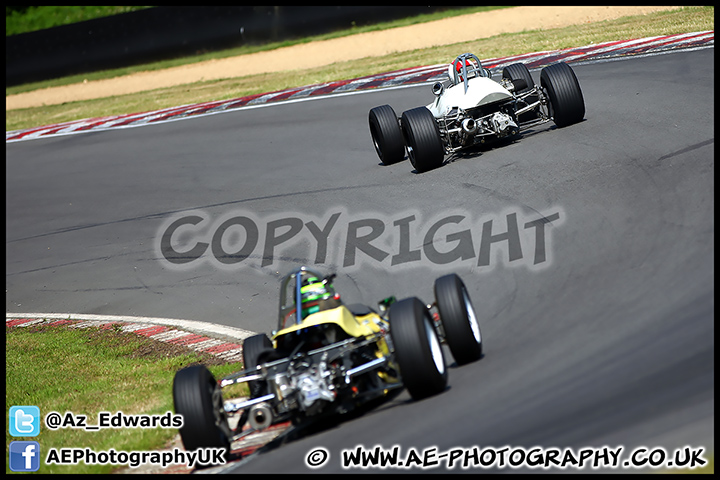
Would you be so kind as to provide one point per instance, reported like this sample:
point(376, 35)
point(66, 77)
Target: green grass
point(30, 19)
point(86, 371)
point(709, 468)
point(242, 50)
point(687, 19)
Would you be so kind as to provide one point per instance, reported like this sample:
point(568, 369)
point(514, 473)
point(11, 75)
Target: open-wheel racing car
point(328, 358)
point(473, 109)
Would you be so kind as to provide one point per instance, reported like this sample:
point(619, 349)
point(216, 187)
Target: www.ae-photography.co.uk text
point(241, 239)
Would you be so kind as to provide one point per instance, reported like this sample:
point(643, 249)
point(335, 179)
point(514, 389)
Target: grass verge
point(687, 19)
point(86, 371)
point(29, 19)
point(242, 50)
point(709, 468)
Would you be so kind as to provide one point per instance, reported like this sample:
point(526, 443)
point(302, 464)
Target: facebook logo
point(24, 421)
point(24, 456)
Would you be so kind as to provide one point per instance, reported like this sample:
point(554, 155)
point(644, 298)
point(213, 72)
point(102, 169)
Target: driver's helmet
point(466, 64)
point(312, 293)
point(459, 69)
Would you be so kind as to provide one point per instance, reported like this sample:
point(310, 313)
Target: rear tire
point(417, 349)
point(566, 102)
point(198, 398)
point(462, 330)
point(386, 134)
point(422, 138)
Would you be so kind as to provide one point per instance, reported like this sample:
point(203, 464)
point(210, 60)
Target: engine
point(307, 382)
point(318, 369)
point(500, 123)
point(464, 128)
point(313, 384)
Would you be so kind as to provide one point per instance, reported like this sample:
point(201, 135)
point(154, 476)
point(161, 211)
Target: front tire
point(518, 71)
point(566, 102)
point(198, 398)
point(386, 134)
point(462, 330)
point(422, 137)
point(253, 347)
point(417, 349)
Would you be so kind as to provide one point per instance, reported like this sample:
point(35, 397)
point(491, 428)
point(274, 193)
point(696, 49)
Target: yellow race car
point(327, 358)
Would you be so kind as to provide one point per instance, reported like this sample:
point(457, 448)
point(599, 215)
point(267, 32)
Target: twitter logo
point(24, 421)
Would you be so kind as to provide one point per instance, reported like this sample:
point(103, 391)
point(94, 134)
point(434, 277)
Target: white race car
point(473, 109)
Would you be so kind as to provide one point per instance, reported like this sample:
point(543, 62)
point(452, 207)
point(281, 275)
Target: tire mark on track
point(153, 216)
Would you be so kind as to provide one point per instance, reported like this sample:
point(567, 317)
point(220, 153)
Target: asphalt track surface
point(608, 341)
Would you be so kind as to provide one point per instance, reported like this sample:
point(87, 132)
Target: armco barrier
point(166, 32)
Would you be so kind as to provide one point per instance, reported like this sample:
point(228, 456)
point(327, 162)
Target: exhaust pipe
point(469, 126)
point(260, 416)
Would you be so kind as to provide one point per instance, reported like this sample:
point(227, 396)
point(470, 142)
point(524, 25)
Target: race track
point(606, 339)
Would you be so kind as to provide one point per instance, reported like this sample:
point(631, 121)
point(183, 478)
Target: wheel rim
point(377, 148)
point(409, 144)
point(374, 134)
point(218, 408)
point(435, 348)
point(551, 110)
point(474, 326)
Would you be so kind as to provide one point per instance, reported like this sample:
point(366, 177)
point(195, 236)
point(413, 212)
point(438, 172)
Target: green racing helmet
point(313, 291)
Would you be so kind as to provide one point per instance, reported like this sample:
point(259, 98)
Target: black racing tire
point(565, 98)
point(460, 324)
point(253, 347)
point(198, 398)
point(386, 134)
point(422, 137)
point(518, 71)
point(418, 351)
